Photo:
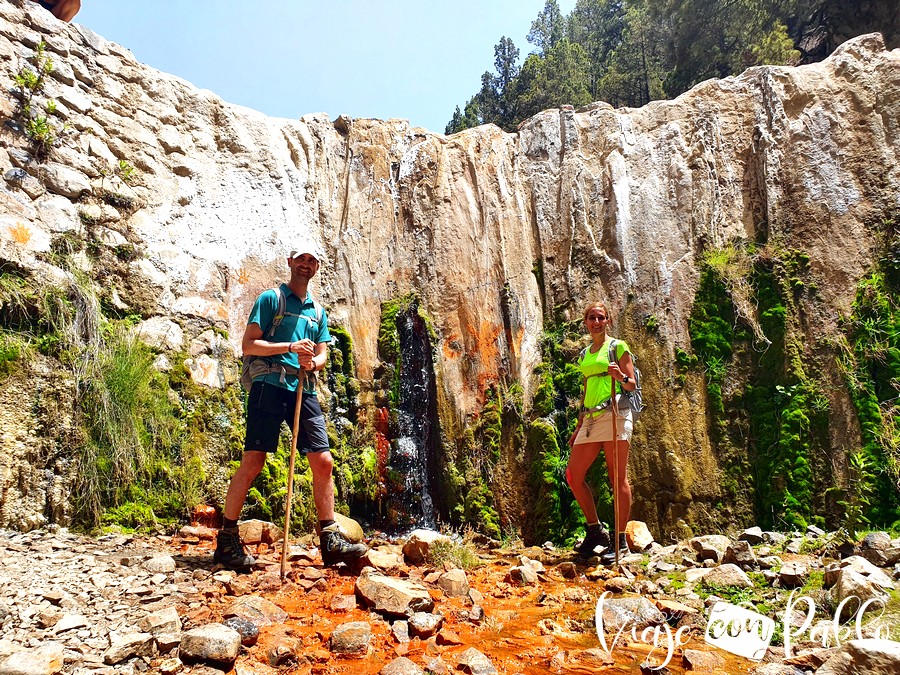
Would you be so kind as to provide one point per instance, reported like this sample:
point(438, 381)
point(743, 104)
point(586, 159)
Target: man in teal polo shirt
point(300, 341)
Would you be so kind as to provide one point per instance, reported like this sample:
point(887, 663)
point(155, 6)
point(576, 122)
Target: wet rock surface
point(101, 606)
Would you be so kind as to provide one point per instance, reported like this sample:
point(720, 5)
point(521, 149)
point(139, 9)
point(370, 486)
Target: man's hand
point(305, 350)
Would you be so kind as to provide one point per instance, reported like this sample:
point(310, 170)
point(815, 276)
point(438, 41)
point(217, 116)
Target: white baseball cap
point(307, 247)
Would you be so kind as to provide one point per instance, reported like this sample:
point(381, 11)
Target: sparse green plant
point(459, 552)
point(858, 496)
point(13, 350)
point(87, 219)
point(34, 117)
point(126, 172)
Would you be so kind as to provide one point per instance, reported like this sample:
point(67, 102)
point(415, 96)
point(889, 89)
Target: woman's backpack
point(635, 398)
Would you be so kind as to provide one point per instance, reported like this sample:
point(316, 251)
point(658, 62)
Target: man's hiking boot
point(609, 557)
point(230, 551)
point(597, 535)
point(336, 548)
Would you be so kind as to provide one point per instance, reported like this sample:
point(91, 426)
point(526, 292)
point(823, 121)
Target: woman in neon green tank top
point(594, 431)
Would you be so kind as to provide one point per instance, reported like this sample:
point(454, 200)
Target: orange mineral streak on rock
point(451, 347)
point(382, 446)
point(20, 233)
point(482, 347)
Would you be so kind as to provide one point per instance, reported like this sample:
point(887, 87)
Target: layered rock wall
point(496, 232)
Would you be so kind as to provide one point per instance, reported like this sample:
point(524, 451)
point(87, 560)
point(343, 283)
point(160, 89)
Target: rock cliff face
point(499, 234)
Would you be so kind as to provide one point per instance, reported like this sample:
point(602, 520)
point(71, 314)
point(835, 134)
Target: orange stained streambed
point(529, 630)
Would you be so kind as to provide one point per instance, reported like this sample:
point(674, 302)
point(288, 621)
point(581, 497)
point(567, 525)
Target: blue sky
point(394, 58)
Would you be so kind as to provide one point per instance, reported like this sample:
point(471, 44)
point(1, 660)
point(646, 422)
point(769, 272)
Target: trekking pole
point(615, 412)
point(290, 485)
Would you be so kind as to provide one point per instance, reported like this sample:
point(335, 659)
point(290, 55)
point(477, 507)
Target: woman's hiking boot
point(597, 535)
point(609, 557)
point(230, 551)
point(336, 548)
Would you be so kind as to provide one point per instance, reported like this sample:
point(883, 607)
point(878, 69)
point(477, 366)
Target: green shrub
point(459, 553)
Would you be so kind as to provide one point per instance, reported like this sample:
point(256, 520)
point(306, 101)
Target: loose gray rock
point(701, 661)
point(45, 659)
point(162, 621)
point(739, 553)
point(401, 666)
point(343, 603)
point(870, 656)
point(69, 622)
point(794, 545)
point(351, 638)
point(852, 584)
point(882, 557)
point(769, 561)
point(877, 541)
point(212, 642)
point(814, 531)
point(283, 651)
point(400, 597)
point(793, 575)
point(400, 631)
point(752, 535)
point(382, 560)
point(257, 610)
point(567, 570)
point(454, 583)
point(775, 538)
point(474, 662)
point(727, 575)
point(710, 546)
point(125, 646)
point(423, 624)
point(248, 630)
point(522, 575)
point(417, 548)
point(874, 574)
point(638, 612)
point(259, 531)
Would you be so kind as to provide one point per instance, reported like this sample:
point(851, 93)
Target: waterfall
point(411, 457)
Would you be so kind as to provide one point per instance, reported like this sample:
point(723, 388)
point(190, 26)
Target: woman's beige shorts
point(598, 427)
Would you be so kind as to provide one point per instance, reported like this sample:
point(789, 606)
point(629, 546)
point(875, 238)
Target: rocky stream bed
point(135, 604)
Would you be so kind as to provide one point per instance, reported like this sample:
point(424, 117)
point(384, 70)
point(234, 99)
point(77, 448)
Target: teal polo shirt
point(299, 323)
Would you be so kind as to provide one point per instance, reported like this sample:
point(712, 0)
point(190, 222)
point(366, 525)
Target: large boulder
point(727, 575)
point(399, 597)
point(350, 528)
point(870, 656)
point(257, 610)
point(710, 546)
point(417, 548)
point(856, 589)
point(351, 639)
point(618, 613)
point(212, 642)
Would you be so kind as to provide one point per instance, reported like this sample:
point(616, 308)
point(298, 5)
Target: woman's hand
point(618, 371)
point(615, 372)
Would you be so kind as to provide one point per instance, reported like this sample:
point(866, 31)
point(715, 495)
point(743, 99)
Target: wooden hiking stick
point(615, 491)
point(290, 486)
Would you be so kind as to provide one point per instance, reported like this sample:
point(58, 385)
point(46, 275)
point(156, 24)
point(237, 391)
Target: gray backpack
point(257, 366)
point(635, 398)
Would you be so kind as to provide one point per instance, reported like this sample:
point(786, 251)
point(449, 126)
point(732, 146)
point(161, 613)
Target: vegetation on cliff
point(633, 52)
point(766, 388)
